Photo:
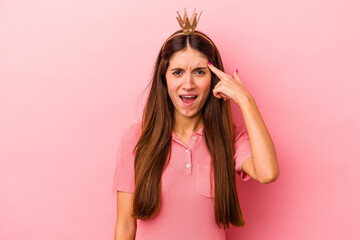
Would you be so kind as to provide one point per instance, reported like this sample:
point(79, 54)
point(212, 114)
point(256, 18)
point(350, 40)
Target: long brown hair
point(153, 148)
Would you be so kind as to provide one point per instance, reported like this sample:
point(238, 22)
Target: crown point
point(188, 25)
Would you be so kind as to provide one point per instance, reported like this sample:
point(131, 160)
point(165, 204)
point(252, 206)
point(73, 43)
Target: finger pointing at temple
point(217, 71)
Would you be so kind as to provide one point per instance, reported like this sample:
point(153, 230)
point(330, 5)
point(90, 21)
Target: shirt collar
point(201, 130)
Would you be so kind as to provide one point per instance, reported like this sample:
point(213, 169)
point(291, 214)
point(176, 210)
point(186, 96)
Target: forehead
point(188, 57)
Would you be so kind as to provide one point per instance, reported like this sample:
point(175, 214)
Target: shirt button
point(187, 150)
point(188, 165)
point(194, 137)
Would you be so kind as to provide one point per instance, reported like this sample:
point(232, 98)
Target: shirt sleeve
point(124, 177)
point(242, 151)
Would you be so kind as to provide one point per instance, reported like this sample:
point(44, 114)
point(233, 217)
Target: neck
point(184, 125)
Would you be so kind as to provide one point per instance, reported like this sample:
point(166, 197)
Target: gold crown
point(188, 26)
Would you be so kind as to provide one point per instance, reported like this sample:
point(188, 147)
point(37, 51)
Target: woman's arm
point(125, 228)
point(262, 166)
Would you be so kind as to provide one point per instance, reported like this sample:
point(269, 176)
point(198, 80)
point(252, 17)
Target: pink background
point(72, 76)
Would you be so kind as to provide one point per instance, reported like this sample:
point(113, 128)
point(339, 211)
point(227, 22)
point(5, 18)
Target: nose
point(188, 82)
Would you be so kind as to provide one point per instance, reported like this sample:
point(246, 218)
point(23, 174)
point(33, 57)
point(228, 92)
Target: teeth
point(188, 96)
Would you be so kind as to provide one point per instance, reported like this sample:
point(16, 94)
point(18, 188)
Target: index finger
point(217, 71)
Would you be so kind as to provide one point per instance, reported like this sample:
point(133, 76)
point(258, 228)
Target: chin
point(189, 114)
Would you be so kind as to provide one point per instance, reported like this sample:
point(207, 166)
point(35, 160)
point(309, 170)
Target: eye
point(200, 72)
point(176, 73)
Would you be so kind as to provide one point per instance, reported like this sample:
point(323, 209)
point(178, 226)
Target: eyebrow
point(198, 68)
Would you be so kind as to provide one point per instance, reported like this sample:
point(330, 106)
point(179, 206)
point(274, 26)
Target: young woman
point(175, 174)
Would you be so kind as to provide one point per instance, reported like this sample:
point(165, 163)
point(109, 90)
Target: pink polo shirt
point(187, 204)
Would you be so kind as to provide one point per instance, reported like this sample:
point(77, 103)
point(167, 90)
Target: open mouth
point(188, 98)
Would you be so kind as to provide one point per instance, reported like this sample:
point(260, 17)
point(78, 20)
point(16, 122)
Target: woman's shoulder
point(239, 131)
point(133, 131)
point(131, 134)
point(135, 128)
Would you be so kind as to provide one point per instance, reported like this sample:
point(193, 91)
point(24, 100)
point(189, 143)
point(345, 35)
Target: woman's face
point(188, 80)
